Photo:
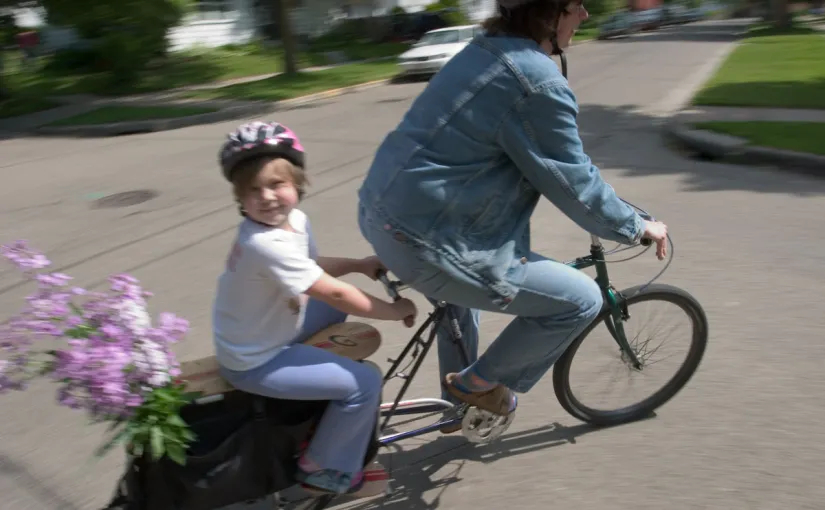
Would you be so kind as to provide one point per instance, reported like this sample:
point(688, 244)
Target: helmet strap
point(563, 58)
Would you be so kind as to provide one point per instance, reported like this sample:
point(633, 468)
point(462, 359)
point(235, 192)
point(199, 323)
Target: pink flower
point(113, 355)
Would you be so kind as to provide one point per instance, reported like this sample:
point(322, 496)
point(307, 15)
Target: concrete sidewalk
point(680, 130)
point(695, 114)
point(37, 123)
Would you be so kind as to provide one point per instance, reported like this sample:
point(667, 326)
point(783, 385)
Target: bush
point(8, 28)
point(74, 59)
point(350, 30)
point(126, 34)
point(450, 10)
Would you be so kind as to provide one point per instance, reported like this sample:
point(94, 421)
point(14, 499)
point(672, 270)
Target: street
point(744, 434)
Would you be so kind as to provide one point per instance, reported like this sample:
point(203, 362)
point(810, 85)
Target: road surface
point(745, 434)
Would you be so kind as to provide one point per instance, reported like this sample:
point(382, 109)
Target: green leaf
point(157, 443)
point(191, 395)
point(176, 421)
point(176, 452)
point(137, 449)
point(105, 448)
point(164, 395)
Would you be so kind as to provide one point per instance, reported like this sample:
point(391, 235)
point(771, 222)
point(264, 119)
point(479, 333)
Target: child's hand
point(406, 311)
point(371, 266)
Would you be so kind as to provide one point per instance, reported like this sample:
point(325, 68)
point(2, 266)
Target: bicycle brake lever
point(388, 286)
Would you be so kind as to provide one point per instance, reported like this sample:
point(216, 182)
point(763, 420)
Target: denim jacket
point(461, 175)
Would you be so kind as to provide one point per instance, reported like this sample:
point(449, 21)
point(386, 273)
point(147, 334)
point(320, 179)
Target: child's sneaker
point(328, 480)
point(373, 481)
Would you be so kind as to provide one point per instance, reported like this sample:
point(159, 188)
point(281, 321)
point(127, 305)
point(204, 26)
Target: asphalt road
point(745, 434)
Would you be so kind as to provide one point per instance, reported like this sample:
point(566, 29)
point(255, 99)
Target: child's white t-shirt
point(259, 307)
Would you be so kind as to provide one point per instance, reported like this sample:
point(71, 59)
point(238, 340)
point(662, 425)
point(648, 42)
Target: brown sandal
point(497, 400)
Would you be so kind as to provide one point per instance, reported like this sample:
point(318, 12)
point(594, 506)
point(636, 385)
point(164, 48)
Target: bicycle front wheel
point(647, 342)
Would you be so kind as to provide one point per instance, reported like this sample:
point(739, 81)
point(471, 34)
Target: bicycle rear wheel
point(645, 344)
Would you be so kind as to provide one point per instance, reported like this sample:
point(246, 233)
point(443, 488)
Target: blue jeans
point(553, 306)
point(303, 372)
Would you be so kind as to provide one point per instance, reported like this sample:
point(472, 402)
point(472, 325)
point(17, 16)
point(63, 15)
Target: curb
point(150, 126)
point(253, 109)
point(731, 149)
point(246, 111)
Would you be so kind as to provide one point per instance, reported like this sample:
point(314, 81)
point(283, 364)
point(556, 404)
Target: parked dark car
point(650, 19)
point(411, 27)
point(619, 24)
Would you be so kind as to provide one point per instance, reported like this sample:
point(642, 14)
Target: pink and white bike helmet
point(260, 138)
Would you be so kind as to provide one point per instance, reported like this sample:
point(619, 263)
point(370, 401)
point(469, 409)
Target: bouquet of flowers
point(116, 365)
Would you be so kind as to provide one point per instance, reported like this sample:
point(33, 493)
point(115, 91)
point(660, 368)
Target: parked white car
point(436, 48)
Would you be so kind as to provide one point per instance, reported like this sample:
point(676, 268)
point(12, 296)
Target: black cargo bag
point(246, 449)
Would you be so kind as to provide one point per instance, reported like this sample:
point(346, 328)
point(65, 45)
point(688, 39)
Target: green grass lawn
point(118, 113)
point(287, 87)
point(771, 69)
point(360, 50)
point(23, 105)
point(179, 69)
point(794, 136)
point(585, 34)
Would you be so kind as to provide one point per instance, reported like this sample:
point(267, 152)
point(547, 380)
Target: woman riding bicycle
point(447, 201)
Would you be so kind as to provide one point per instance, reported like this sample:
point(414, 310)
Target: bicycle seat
point(353, 340)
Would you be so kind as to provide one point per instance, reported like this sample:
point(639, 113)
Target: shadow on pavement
point(633, 143)
point(715, 31)
point(416, 470)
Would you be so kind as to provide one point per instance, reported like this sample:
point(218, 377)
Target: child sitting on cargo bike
point(276, 292)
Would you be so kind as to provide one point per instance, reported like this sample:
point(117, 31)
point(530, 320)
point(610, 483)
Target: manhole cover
point(125, 199)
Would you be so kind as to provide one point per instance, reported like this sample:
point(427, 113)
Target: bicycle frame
point(420, 348)
point(614, 301)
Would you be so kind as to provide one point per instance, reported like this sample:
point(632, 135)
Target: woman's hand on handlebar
point(657, 231)
point(406, 311)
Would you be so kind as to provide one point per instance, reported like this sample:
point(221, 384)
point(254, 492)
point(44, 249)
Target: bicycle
point(481, 426)
point(260, 438)
point(615, 312)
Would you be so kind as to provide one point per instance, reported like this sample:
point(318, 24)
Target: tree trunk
point(781, 16)
point(287, 38)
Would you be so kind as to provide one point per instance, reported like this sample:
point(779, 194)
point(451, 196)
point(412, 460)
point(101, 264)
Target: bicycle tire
point(645, 408)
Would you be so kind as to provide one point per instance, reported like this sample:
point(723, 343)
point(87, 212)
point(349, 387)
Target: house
point(211, 23)
point(214, 23)
point(643, 5)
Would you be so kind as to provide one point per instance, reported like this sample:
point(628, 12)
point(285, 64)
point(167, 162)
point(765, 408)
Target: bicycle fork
point(616, 303)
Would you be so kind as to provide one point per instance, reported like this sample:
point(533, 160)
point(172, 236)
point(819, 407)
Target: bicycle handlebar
point(645, 216)
point(392, 287)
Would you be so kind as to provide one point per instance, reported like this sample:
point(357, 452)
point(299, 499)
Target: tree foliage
point(126, 34)
point(599, 9)
point(450, 11)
